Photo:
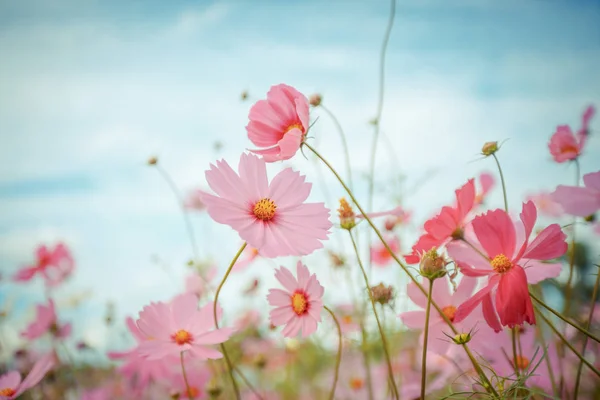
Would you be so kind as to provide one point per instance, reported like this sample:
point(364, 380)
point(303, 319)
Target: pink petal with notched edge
point(489, 313)
point(537, 271)
point(465, 199)
point(468, 306)
point(40, 368)
point(413, 319)
point(278, 298)
point(549, 244)
point(577, 201)
point(592, 181)
point(496, 233)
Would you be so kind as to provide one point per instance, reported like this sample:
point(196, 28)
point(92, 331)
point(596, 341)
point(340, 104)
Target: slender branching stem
point(425, 339)
point(569, 284)
point(502, 181)
point(338, 359)
point(185, 378)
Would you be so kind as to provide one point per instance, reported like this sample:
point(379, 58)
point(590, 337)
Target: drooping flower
point(380, 256)
point(506, 264)
point(55, 265)
point(11, 385)
point(179, 326)
point(46, 321)
point(299, 306)
point(564, 145)
point(279, 123)
point(272, 218)
point(580, 201)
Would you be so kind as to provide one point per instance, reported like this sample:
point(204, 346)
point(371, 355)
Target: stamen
point(501, 264)
point(299, 303)
point(264, 209)
point(182, 337)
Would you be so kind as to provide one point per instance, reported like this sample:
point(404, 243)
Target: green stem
point(569, 285)
point(366, 360)
point(381, 333)
point(185, 379)
point(585, 340)
point(502, 181)
point(489, 387)
point(215, 305)
point(514, 351)
point(338, 359)
point(426, 337)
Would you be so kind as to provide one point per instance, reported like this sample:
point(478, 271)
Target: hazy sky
point(90, 89)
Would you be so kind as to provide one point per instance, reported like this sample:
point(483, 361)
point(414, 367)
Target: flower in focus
point(564, 145)
point(279, 123)
point(55, 265)
point(272, 218)
point(179, 326)
point(11, 385)
point(299, 306)
point(46, 321)
point(507, 259)
point(580, 201)
point(380, 256)
point(546, 204)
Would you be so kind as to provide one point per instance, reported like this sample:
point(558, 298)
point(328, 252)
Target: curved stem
point(559, 315)
point(344, 144)
point(185, 379)
point(489, 387)
point(425, 338)
point(215, 305)
point(503, 183)
point(366, 361)
point(585, 340)
point(338, 359)
point(381, 333)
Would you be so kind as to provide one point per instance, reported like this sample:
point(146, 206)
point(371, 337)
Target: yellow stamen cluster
point(264, 209)
point(294, 126)
point(7, 392)
point(356, 383)
point(182, 337)
point(299, 303)
point(501, 263)
point(449, 312)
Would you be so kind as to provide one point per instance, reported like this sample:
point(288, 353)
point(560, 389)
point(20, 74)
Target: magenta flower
point(55, 265)
point(580, 201)
point(299, 306)
point(11, 385)
point(171, 328)
point(46, 321)
point(505, 266)
point(564, 145)
point(272, 218)
point(278, 123)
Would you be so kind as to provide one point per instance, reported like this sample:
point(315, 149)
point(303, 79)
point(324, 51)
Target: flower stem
point(367, 362)
point(215, 305)
point(585, 340)
point(381, 333)
point(489, 387)
point(338, 359)
point(513, 335)
point(559, 315)
point(569, 287)
point(185, 379)
point(502, 181)
point(425, 339)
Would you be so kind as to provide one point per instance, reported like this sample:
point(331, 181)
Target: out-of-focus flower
point(193, 201)
point(585, 120)
point(348, 318)
point(279, 123)
point(11, 385)
point(380, 256)
point(564, 145)
point(46, 321)
point(249, 255)
point(55, 265)
point(382, 294)
point(299, 306)
point(272, 218)
point(546, 204)
point(486, 183)
point(580, 201)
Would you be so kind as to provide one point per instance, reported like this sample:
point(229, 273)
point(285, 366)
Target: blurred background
point(90, 90)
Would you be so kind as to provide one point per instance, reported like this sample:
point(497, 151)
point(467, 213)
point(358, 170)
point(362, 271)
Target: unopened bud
point(462, 338)
point(244, 95)
point(432, 266)
point(213, 388)
point(489, 148)
point(590, 218)
point(390, 224)
point(336, 259)
point(346, 214)
point(315, 100)
point(152, 160)
point(382, 294)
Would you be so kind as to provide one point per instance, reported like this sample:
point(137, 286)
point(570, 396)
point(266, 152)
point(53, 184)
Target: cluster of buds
point(346, 214)
point(382, 294)
point(432, 265)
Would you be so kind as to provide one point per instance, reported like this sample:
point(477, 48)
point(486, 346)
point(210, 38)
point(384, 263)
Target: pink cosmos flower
point(272, 218)
point(250, 254)
point(197, 375)
point(279, 123)
point(449, 224)
point(580, 201)
point(546, 204)
point(486, 182)
point(195, 284)
point(564, 146)
point(179, 326)
point(585, 121)
point(55, 265)
point(46, 321)
point(299, 306)
point(193, 201)
point(509, 252)
point(380, 256)
point(11, 385)
point(348, 318)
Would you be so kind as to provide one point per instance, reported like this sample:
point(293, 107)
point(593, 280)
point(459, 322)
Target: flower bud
point(432, 266)
point(382, 294)
point(346, 214)
point(213, 388)
point(152, 160)
point(462, 338)
point(315, 100)
point(590, 218)
point(489, 148)
point(244, 95)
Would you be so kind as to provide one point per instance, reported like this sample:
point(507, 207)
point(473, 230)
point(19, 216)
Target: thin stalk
point(514, 352)
point(344, 144)
point(585, 340)
point(426, 337)
point(548, 363)
point(559, 315)
point(367, 362)
point(502, 181)
point(338, 359)
point(381, 333)
point(569, 287)
point(215, 304)
point(490, 388)
point(185, 379)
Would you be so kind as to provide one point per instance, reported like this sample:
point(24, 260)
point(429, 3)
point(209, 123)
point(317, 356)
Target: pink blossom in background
point(380, 256)
point(11, 385)
point(589, 112)
point(197, 285)
point(55, 265)
point(486, 183)
point(46, 321)
point(249, 319)
point(272, 218)
point(193, 201)
point(279, 123)
point(580, 201)
point(198, 376)
point(348, 318)
point(249, 255)
point(179, 326)
point(299, 306)
point(509, 251)
point(564, 145)
point(546, 204)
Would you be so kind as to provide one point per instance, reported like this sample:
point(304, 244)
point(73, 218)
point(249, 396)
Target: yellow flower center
point(522, 362)
point(356, 383)
point(7, 392)
point(501, 263)
point(569, 149)
point(449, 312)
point(299, 303)
point(347, 319)
point(294, 126)
point(193, 392)
point(265, 209)
point(182, 337)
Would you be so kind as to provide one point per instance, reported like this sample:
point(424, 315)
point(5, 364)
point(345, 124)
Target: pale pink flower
point(55, 265)
point(564, 145)
point(46, 321)
point(580, 201)
point(11, 385)
point(179, 326)
point(348, 318)
point(299, 306)
point(272, 218)
point(546, 204)
point(279, 123)
point(380, 256)
point(196, 284)
point(197, 378)
point(486, 182)
point(249, 319)
point(249, 255)
point(585, 120)
point(193, 201)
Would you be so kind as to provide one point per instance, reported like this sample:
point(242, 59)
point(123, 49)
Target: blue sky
point(89, 90)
